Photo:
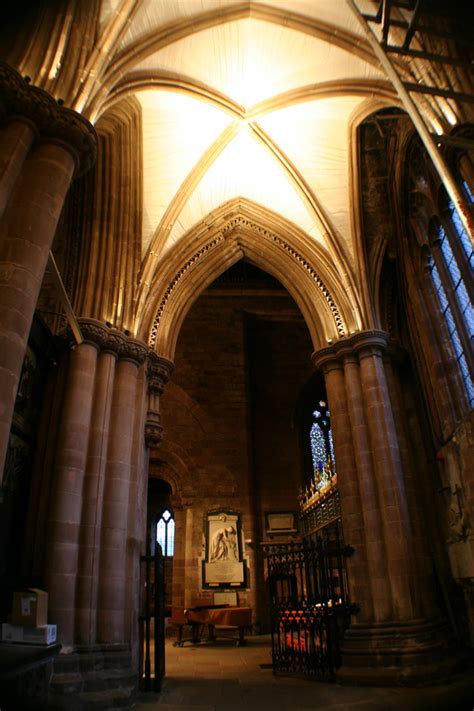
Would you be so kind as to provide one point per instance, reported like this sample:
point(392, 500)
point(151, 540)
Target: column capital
point(111, 340)
point(362, 343)
point(52, 121)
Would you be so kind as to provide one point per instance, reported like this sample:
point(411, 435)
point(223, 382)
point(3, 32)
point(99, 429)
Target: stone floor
point(223, 677)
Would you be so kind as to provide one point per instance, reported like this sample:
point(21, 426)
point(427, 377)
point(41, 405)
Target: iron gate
point(310, 606)
point(152, 621)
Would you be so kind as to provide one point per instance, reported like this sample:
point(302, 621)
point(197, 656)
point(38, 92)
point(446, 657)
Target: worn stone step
point(66, 663)
point(68, 683)
point(110, 699)
point(108, 679)
point(117, 660)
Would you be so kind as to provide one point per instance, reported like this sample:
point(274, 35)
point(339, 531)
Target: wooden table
point(212, 616)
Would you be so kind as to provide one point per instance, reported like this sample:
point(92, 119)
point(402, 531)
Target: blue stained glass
point(458, 283)
point(456, 343)
point(463, 236)
point(464, 300)
point(468, 190)
point(454, 272)
point(331, 446)
point(469, 320)
point(318, 447)
point(450, 321)
point(439, 287)
point(467, 379)
point(322, 449)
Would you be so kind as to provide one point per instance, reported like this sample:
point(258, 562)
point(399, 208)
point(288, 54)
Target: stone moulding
point(176, 279)
point(113, 341)
point(325, 292)
point(227, 232)
point(159, 372)
point(53, 122)
point(372, 340)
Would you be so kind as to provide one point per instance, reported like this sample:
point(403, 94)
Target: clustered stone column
point(42, 146)
point(99, 460)
point(391, 636)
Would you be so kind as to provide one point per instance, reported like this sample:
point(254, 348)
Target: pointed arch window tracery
point(165, 528)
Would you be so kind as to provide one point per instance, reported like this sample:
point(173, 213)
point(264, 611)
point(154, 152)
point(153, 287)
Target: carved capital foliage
point(158, 372)
point(94, 332)
point(113, 341)
point(361, 344)
point(52, 121)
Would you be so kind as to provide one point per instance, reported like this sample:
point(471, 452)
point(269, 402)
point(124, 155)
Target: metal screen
point(152, 622)
point(310, 607)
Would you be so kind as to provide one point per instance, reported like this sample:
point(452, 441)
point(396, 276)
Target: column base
point(93, 677)
point(392, 654)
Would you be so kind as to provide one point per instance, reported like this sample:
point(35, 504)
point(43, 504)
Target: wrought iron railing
point(152, 622)
point(310, 606)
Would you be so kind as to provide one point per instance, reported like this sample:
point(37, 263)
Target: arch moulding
point(241, 229)
point(167, 465)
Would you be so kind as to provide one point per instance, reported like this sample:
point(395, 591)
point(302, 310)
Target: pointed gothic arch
point(327, 299)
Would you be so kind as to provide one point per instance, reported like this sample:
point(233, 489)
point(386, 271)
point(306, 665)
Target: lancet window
point(322, 449)
point(440, 231)
point(451, 263)
point(165, 533)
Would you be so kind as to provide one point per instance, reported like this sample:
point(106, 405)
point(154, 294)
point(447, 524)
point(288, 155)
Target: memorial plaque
point(224, 564)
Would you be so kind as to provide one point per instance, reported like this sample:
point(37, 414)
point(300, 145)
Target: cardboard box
point(45, 634)
point(30, 608)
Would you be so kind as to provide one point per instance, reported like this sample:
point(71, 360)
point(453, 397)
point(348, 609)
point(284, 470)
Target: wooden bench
point(211, 616)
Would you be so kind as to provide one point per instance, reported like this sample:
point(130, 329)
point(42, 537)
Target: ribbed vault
point(231, 103)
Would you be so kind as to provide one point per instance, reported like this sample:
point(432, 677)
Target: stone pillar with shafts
point(392, 639)
point(44, 145)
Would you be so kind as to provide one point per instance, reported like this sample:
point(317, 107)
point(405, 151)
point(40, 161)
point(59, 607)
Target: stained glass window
point(468, 190)
point(322, 449)
point(453, 332)
point(459, 287)
point(165, 533)
point(462, 234)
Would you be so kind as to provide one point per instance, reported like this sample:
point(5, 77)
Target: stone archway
point(323, 289)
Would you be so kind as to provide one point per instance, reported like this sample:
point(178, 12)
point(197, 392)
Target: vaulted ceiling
point(240, 102)
point(245, 100)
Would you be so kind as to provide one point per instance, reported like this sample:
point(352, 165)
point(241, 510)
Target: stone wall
point(229, 434)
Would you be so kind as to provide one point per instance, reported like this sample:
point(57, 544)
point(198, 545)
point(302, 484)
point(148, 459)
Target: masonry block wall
point(228, 416)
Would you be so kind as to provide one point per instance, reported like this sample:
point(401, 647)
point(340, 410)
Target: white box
point(46, 634)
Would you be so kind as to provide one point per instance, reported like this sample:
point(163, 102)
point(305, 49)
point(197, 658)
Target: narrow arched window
point(451, 265)
point(462, 235)
point(322, 449)
point(165, 533)
point(453, 331)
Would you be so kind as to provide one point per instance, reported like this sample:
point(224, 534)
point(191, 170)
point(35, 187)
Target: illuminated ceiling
point(246, 100)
